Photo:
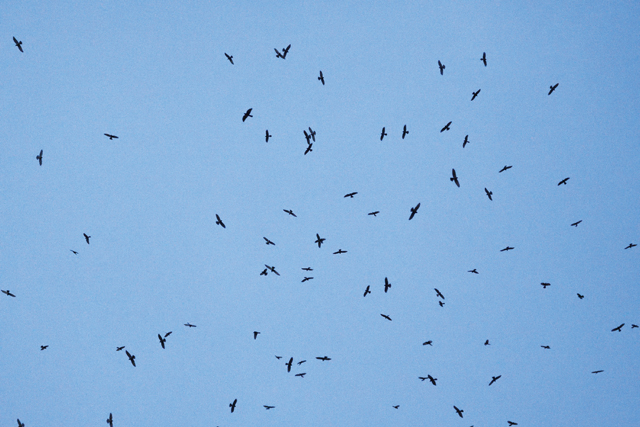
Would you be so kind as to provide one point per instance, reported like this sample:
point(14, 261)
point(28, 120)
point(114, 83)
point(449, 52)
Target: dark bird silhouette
point(552, 88)
point(312, 133)
point(386, 317)
point(494, 379)
point(307, 268)
point(306, 279)
point(454, 178)
point(442, 67)
point(233, 405)
point(162, 340)
point(110, 420)
point(511, 423)
point(339, 251)
point(301, 375)
point(290, 212)
point(508, 248)
point(545, 284)
point(247, 114)
point(267, 136)
point(289, 363)
point(466, 141)
point(119, 348)
point(575, 224)
point(219, 221)
point(441, 303)
point(374, 213)
point(301, 362)
point(489, 193)
point(564, 181)
point(307, 136)
point(422, 378)
point(19, 423)
point(459, 411)
point(131, 357)
point(619, 328)
point(321, 78)
point(255, 334)
point(43, 347)
point(433, 380)
point(631, 245)
point(484, 58)
point(309, 149)
point(189, 325)
point(351, 194)
point(111, 137)
point(282, 55)
point(405, 132)
point(267, 407)
point(387, 285)
point(486, 342)
point(633, 326)
point(168, 333)
point(19, 46)
point(320, 240)
point(273, 269)
point(229, 57)
point(8, 293)
point(76, 253)
point(545, 347)
point(414, 211)
point(278, 357)
point(323, 358)
point(597, 372)
point(473, 271)
point(580, 296)
point(475, 94)
point(264, 272)
point(504, 168)
point(367, 291)
point(86, 237)
point(39, 157)
point(382, 134)
point(269, 242)
point(396, 406)
point(430, 342)
point(438, 293)
point(446, 127)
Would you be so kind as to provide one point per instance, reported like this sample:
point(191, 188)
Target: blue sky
point(156, 76)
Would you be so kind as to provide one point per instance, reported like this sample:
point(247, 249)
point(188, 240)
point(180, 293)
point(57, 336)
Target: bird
point(233, 405)
point(446, 127)
point(386, 317)
point(323, 358)
point(131, 357)
point(320, 240)
point(489, 193)
point(111, 137)
point(414, 211)
point(552, 88)
point(339, 251)
point(508, 248)
point(619, 328)
point(494, 379)
point(308, 150)
point(269, 242)
point(438, 293)
point(267, 136)
point(267, 407)
point(475, 271)
point(545, 347)
point(545, 284)
point(433, 380)
point(459, 411)
point(321, 78)
point(229, 57)
point(633, 326)
point(76, 253)
point(466, 141)
point(278, 357)
point(307, 136)
point(307, 268)
point(312, 133)
point(405, 132)
point(580, 296)
point(247, 114)
point(351, 194)
point(39, 158)
point(162, 340)
point(301, 362)
point(430, 342)
point(290, 212)
point(442, 67)
point(273, 269)
point(475, 94)
point(631, 245)
point(20, 424)
point(564, 181)
point(387, 285)
point(382, 134)
point(441, 303)
point(504, 168)
point(486, 342)
point(422, 378)
point(219, 221)
point(282, 55)
point(119, 348)
point(8, 293)
point(484, 58)
point(374, 213)
point(575, 224)
point(264, 272)
point(86, 237)
point(289, 363)
point(396, 406)
point(597, 372)
point(306, 279)
point(511, 423)
point(301, 375)
point(168, 333)
point(454, 178)
point(43, 347)
point(19, 46)
point(367, 291)
point(255, 334)
point(110, 420)
point(189, 325)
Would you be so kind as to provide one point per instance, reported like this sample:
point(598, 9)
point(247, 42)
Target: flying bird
point(631, 245)
point(301, 375)
point(580, 296)
point(486, 342)
point(438, 293)
point(229, 57)
point(374, 213)
point(168, 333)
point(39, 158)
point(219, 221)
point(131, 357)
point(466, 141)
point(405, 132)
point(454, 178)
point(301, 362)
point(189, 325)
point(307, 136)
point(387, 285)
point(119, 348)
point(267, 136)
point(233, 405)
point(459, 411)
point(307, 268)
point(382, 134)
point(552, 88)
point(323, 358)
point(484, 58)
point(86, 237)
point(504, 168)
point(162, 340)
point(475, 271)
point(289, 363)
point(76, 253)
point(351, 194)
point(255, 334)
point(268, 407)
point(321, 78)
point(597, 372)
point(446, 127)
point(110, 420)
point(282, 55)
point(545, 347)
point(367, 291)
point(619, 328)
point(511, 423)
point(264, 272)
point(494, 379)
point(278, 357)
point(441, 303)
point(43, 347)
point(489, 193)
point(475, 94)
point(306, 279)
point(312, 133)
point(430, 342)
point(19, 46)
point(8, 293)
point(545, 284)
point(634, 326)
point(396, 406)
point(442, 67)
point(386, 317)
point(564, 181)
point(247, 114)
point(273, 269)
point(575, 224)
point(339, 251)
point(290, 212)
point(111, 137)
point(433, 380)
point(269, 242)
point(308, 150)
point(20, 424)
point(508, 248)
point(320, 240)
point(414, 211)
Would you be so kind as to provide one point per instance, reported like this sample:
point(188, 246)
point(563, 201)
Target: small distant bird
point(633, 326)
point(351, 194)
point(229, 57)
point(466, 141)
point(446, 127)
point(289, 363)
point(39, 157)
point(544, 285)
point(511, 423)
point(19, 46)
point(86, 237)
point(504, 168)
point(168, 333)
point(247, 114)
point(564, 181)
point(430, 342)
point(111, 137)
point(473, 271)
point(486, 342)
point(312, 133)
point(283, 55)
point(382, 134)
point(433, 380)
point(631, 245)
point(475, 94)
point(8, 293)
point(255, 334)
point(43, 347)
point(339, 251)
point(575, 224)
point(619, 328)
point(374, 213)
point(414, 211)
point(264, 272)
point(545, 347)
point(321, 78)
point(308, 150)
point(319, 240)
point(323, 358)
point(119, 348)
point(442, 67)
point(306, 279)
point(386, 317)
point(307, 268)
point(441, 303)
point(580, 296)
point(396, 406)
point(162, 340)
point(233, 405)
point(494, 379)
point(597, 372)
point(20, 424)
point(110, 420)
point(273, 269)
point(301, 375)
point(131, 357)
point(459, 411)
point(484, 58)
point(189, 325)
point(301, 362)
point(552, 88)
point(367, 291)
point(387, 285)
point(278, 357)
point(269, 242)
point(508, 248)
point(267, 136)
point(268, 407)
point(219, 221)
point(489, 193)
point(438, 293)
point(454, 178)
point(307, 136)
point(76, 253)
point(290, 212)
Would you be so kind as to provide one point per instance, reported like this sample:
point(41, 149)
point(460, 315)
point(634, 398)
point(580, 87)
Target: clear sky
point(155, 75)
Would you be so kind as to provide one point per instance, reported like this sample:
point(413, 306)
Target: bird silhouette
point(20, 424)
point(475, 94)
point(473, 271)
point(382, 134)
point(273, 269)
point(290, 212)
point(433, 380)
point(545, 347)
point(414, 211)
point(466, 141)
point(309, 149)
point(233, 405)
point(43, 347)
point(321, 78)
point(110, 420)
point(189, 325)
point(504, 169)
point(511, 423)
point(282, 55)
point(319, 240)
point(367, 291)
point(575, 224)
point(438, 293)
point(442, 67)
point(386, 317)
point(267, 136)
point(131, 357)
point(119, 348)
point(351, 194)
point(387, 285)
point(405, 132)
point(86, 237)
point(229, 57)
point(8, 293)
point(564, 181)
point(618, 328)
point(631, 245)
point(454, 178)
point(484, 58)
point(544, 285)
point(580, 296)
point(289, 363)
point(489, 193)
point(339, 251)
point(255, 334)
point(323, 358)
point(219, 221)
point(39, 158)
point(111, 137)
point(446, 127)
point(597, 372)
point(301, 362)
point(269, 242)
point(312, 133)
point(441, 303)
point(508, 248)
point(552, 88)
point(75, 253)
point(168, 333)
point(306, 279)
point(264, 272)
point(428, 343)
point(374, 213)
point(247, 114)
point(459, 411)
point(19, 46)
point(494, 379)
point(267, 407)
point(486, 342)
point(162, 340)
point(278, 357)
point(301, 375)
point(307, 268)
point(396, 406)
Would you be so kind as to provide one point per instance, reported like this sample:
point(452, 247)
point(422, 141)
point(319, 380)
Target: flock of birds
point(310, 137)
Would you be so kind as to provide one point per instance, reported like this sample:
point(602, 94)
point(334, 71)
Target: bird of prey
point(545, 347)
point(442, 67)
point(76, 253)
point(111, 137)
point(511, 423)
point(414, 211)
point(441, 303)
point(475, 94)
point(264, 272)
point(267, 136)
point(466, 141)
point(307, 136)
point(439, 293)
point(486, 342)
point(289, 363)
point(233, 405)
point(269, 242)
point(433, 380)
point(545, 284)
point(119, 348)
point(319, 241)
point(382, 134)
point(446, 127)
point(255, 334)
point(312, 133)
point(396, 406)
point(505, 168)
point(219, 221)
point(459, 411)
point(484, 58)
point(430, 342)
point(489, 193)
point(278, 357)
point(86, 237)
point(494, 379)
point(552, 88)
point(575, 224)
point(301, 375)
point(268, 407)
point(306, 279)
point(282, 55)
point(508, 248)
point(580, 296)
point(619, 328)
point(374, 213)
point(290, 212)
point(8, 293)
point(323, 358)
point(564, 181)
point(110, 420)
point(19, 46)
point(473, 271)
point(189, 325)
point(631, 245)
point(339, 251)
point(321, 78)
point(454, 178)
point(307, 268)
point(131, 357)
point(386, 317)
point(308, 150)
point(273, 269)
point(247, 114)
point(168, 333)
point(39, 158)
point(405, 132)
point(43, 347)
point(162, 340)
point(597, 372)
point(229, 57)
point(387, 285)
point(351, 194)
point(634, 326)
point(367, 291)
point(20, 424)
point(301, 362)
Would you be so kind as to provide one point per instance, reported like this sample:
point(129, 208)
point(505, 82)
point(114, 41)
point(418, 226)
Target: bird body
point(442, 67)
point(290, 212)
point(374, 213)
point(618, 328)
point(39, 158)
point(306, 279)
point(8, 293)
point(489, 193)
point(321, 78)
point(351, 194)
point(552, 88)
point(544, 285)
point(233, 405)
point(564, 181)
point(19, 46)
point(162, 340)
point(131, 357)
point(459, 411)
point(387, 285)
point(505, 168)
point(247, 114)
point(86, 237)
point(267, 136)
point(319, 240)
point(466, 141)
point(229, 57)
point(475, 94)
point(269, 242)
point(367, 291)
point(219, 221)
point(289, 363)
point(454, 178)
point(110, 420)
point(323, 358)
point(111, 137)
point(508, 248)
point(386, 317)
point(575, 224)
point(339, 251)
point(484, 58)
point(405, 132)
point(446, 127)
point(414, 211)
point(382, 134)
point(494, 379)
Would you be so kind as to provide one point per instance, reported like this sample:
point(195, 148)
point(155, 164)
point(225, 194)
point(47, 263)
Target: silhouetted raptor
point(339, 251)
point(269, 242)
point(484, 58)
point(43, 347)
point(564, 181)
point(430, 342)
point(386, 316)
point(131, 357)
point(289, 363)
point(308, 150)
point(39, 158)
point(494, 379)
point(475, 271)
point(405, 132)
point(575, 224)
point(306, 279)
point(219, 222)
point(319, 240)
point(86, 237)
point(466, 141)
point(20, 424)
point(475, 94)
point(374, 213)
point(290, 212)
point(433, 380)
point(508, 248)
point(110, 420)
point(233, 405)
point(247, 114)
point(446, 127)
point(321, 78)
point(301, 375)
point(459, 411)
point(119, 348)
point(382, 134)
point(229, 57)
point(544, 285)
point(323, 358)
point(552, 88)
point(367, 291)
point(597, 372)
point(111, 137)
point(414, 211)
point(282, 55)
point(504, 168)
point(454, 178)
point(189, 325)
point(351, 194)
point(267, 136)
point(442, 67)
point(619, 328)
point(8, 293)
point(255, 334)
point(631, 245)
point(438, 293)
point(580, 296)
point(511, 423)
point(268, 407)
point(387, 285)
point(162, 340)
point(546, 347)
point(19, 46)
point(489, 193)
